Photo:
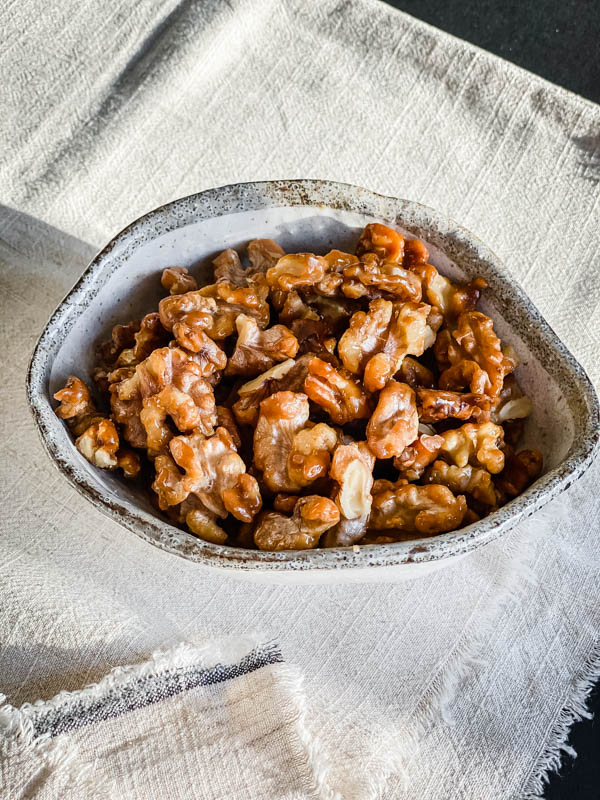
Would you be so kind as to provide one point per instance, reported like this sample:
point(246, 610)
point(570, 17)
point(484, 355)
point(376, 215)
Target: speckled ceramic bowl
point(122, 283)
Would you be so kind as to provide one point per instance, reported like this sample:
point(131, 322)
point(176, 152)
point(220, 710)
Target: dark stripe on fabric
point(148, 690)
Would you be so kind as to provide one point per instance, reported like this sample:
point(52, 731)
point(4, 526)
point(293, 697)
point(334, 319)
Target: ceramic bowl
point(122, 283)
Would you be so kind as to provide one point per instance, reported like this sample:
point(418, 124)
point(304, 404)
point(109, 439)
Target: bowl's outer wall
point(122, 283)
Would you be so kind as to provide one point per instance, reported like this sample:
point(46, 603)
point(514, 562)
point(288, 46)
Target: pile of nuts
point(380, 405)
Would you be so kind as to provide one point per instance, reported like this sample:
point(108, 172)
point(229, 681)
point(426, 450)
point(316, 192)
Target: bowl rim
point(255, 195)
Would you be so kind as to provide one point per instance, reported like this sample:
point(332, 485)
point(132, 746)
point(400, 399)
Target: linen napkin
point(222, 719)
point(460, 684)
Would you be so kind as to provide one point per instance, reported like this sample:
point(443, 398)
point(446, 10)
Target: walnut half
point(311, 517)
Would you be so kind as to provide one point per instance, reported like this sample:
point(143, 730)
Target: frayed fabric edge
point(16, 725)
point(557, 743)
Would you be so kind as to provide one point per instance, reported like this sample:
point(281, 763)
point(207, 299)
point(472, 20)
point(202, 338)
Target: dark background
point(559, 40)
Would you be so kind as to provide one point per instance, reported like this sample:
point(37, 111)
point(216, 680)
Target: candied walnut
point(298, 269)
point(122, 336)
point(168, 482)
point(207, 353)
point(231, 302)
point(451, 299)
point(247, 408)
point(415, 374)
point(352, 469)
point(415, 252)
point(212, 465)
point(282, 416)
point(511, 403)
point(200, 521)
point(177, 280)
point(477, 444)
point(312, 516)
point(314, 336)
point(370, 276)
point(192, 308)
point(407, 335)
point(365, 335)
point(519, 471)
point(129, 462)
point(395, 423)
point(256, 350)
point(264, 254)
point(310, 454)
point(413, 460)
point(99, 444)
point(295, 309)
point(465, 374)
point(150, 336)
point(335, 391)
point(475, 334)
point(225, 419)
point(243, 500)
point(346, 533)
point(385, 242)
point(417, 509)
point(182, 409)
point(228, 267)
point(76, 406)
point(126, 411)
point(75, 399)
point(285, 502)
point(434, 405)
point(288, 376)
point(469, 480)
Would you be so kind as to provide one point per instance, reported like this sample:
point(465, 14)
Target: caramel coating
point(311, 517)
point(434, 405)
point(417, 509)
point(75, 399)
point(370, 275)
point(395, 423)
point(232, 301)
point(365, 335)
point(257, 351)
point(519, 471)
point(99, 444)
point(225, 419)
point(183, 410)
point(408, 334)
point(285, 502)
point(465, 375)
point(211, 466)
point(475, 334)
point(310, 454)
point(264, 254)
point(469, 480)
point(122, 336)
point(177, 280)
point(243, 500)
point(194, 309)
point(335, 391)
point(477, 444)
point(385, 242)
point(415, 374)
point(207, 353)
point(129, 462)
point(412, 461)
point(281, 417)
point(298, 269)
point(228, 268)
point(168, 482)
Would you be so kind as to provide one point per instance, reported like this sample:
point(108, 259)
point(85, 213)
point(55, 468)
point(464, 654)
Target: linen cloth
point(460, 684)
point(226, 719)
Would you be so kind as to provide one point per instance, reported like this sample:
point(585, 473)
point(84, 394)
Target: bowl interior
point(124, 284)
